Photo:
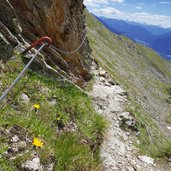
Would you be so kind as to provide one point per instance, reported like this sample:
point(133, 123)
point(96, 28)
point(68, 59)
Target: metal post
point(22, 72)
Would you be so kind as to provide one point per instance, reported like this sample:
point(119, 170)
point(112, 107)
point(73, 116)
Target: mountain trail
point(117, 151)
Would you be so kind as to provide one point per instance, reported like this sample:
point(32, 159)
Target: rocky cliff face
point(62, 21)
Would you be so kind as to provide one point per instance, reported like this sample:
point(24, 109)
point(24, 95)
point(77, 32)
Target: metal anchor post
point(40, 41)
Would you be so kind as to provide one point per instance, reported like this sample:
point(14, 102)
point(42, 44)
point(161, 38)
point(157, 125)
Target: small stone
point(45, 91)
point(25, 99)
point(13, 158)
point(100, 111)
point(0, 84)
point(169, 127)
point(125, 115)
point(5, 153)
point(13, 150)
point(137, 133)
point(14, 139)
point(84, 141)
point(128, 123)
point(124, 93)
point(53, 102)
point(32, 165)
point(103, 73)
point(94, 66)
point(133, 162)
point(138, 167)
point(130, 142)
point(120, 154)
point(22, 144)
point(102, 79)
point(128, 133)
point(146, 159)
point(169, 160)
point(71, 127)
point(50, 167)
point(107, 84)
point(130, 169)
point(138, 142)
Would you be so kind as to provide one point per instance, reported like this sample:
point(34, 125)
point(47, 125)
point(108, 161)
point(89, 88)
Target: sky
point(151, 12)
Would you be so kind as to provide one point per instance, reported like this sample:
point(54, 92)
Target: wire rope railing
point(44, 41)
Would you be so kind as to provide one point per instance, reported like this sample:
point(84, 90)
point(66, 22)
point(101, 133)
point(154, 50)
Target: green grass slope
point(70, 129)
point(144, 75)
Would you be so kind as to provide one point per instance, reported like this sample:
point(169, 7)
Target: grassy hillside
point(144, 75)
point(64, 120)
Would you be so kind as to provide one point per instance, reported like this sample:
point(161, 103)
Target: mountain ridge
point(141, 34)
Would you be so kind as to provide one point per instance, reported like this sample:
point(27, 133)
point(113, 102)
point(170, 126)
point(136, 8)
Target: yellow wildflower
point(58, 118)
point(37, 142)
point(36, 106)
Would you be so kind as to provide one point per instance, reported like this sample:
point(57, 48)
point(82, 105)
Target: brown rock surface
point(64, 22)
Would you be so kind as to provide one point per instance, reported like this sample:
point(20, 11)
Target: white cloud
point(107, 12)
point(105, 8)
point(138, 7)
point(94, 3)
point(165, 2)
point(117, 1)
point(161, 20)
point(142, 17)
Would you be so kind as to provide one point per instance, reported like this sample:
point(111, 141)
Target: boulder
point(32, 165)
point(25, 99)
point(146, 159)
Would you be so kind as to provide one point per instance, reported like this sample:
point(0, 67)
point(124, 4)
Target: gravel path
point(117, 152)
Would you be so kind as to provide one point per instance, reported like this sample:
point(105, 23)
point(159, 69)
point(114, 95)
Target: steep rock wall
point(64, 22)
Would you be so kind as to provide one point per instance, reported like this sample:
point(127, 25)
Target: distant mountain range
point(157, 38)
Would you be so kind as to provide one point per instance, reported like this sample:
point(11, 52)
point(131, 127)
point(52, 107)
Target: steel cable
point(22, 72)
point(72, 52)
